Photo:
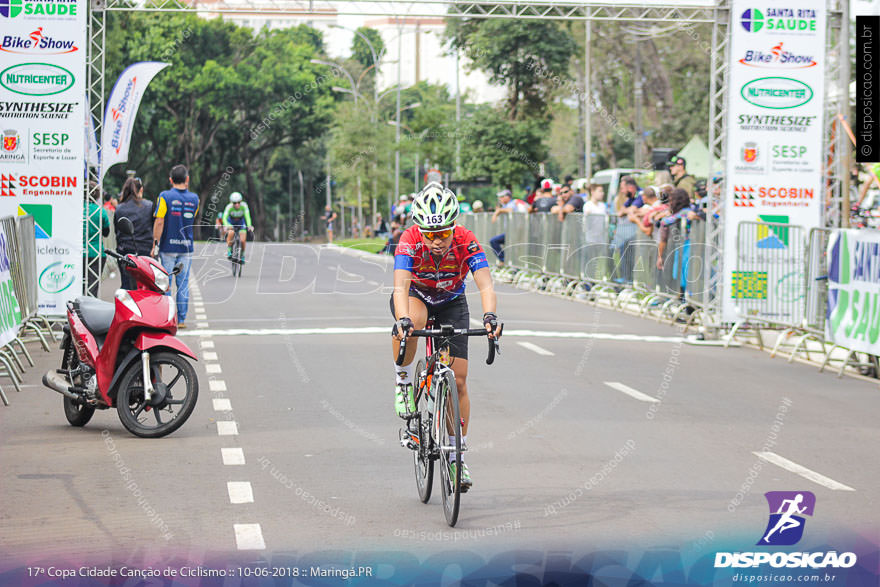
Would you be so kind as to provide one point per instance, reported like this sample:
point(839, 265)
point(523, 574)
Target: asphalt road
point(581, 435)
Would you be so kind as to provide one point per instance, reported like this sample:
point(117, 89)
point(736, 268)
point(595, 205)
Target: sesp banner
point(853, 313)
point(121, 110)
point(42, 109)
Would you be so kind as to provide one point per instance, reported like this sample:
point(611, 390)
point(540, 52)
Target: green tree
point(502, 151)
point(531, 58)
point(360, 49)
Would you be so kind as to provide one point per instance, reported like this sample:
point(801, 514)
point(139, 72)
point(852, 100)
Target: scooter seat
point(96, 314)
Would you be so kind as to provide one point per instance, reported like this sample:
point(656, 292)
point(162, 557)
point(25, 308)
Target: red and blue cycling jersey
point(441, 281)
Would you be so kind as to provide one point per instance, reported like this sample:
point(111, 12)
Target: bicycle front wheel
point(236, 253)
point(447, 420)
point(422, 462)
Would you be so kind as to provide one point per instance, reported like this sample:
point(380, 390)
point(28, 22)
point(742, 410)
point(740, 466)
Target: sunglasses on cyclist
point(437, 234)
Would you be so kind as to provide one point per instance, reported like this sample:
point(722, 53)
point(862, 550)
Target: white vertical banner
point(775, 131)
point(122, 107)
point(42, 85)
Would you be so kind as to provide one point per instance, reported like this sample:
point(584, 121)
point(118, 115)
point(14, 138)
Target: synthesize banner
point(853, 315)
point(42, 85)
point(774, 125)
point(122, 107)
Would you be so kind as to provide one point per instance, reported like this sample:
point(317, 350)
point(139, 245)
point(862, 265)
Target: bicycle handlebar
point(448, 332)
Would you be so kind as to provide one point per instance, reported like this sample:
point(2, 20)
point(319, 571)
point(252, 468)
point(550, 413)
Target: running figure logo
point(787, 508)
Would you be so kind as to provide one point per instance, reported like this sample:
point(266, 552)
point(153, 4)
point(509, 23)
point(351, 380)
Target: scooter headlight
point(160, 278)
point(123, 296)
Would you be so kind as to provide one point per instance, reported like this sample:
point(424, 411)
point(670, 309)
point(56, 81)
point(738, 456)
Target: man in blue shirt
point(173, 233)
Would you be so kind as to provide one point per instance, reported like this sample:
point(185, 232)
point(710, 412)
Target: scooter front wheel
point(176, 389)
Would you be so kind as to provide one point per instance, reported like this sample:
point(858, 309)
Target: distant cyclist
point(432, 261)
point(236, 219)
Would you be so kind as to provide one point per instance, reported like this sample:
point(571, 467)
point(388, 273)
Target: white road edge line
point(240, 492)
point(775, 459)
point(535, 348)
point(249, 537)
point(384, 330)
point(232, 456)
point(631, 392)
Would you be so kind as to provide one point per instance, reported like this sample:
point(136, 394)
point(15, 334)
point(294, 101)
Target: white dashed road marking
point(209, 356)
point(631, 392)
point(217, 385)
point(222, 404)
point(227, 428)
point(206, 344)
point(249, 537)
point(213, 368)
point(535, 349)
point(240, 492)
point(232, 456)
point(773, 458)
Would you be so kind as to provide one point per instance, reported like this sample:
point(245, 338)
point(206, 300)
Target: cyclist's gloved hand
point(490, 321)
point(402, 326)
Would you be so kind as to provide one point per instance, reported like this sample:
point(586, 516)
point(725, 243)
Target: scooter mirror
point(124, 226)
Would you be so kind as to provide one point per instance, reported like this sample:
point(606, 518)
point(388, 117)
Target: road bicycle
point(237, 257)
point(437, 418)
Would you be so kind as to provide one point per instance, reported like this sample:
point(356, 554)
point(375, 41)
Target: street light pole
point(397, 135)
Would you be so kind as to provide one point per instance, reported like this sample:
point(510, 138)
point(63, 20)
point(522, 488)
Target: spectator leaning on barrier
point(628, 198)
point(596, 204)
point(544, 200)
point(176, 211)
point(140, 211)
point(567, 203)
point(506, 205)
point(645, 216)
point(679, 206)
point(97, 225)
point(681, 178)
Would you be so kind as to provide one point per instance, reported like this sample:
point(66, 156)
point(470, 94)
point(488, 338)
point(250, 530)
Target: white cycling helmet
point(434, 207)
point(235, 197)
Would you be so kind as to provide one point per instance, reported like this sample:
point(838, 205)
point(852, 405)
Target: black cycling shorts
point(454, 312)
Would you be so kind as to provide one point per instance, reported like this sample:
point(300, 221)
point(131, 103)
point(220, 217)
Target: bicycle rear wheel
point(447, 420)
point(422, 462)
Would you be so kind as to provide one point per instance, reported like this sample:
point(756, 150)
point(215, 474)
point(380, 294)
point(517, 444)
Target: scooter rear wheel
point(77, 414)
point(177, 389)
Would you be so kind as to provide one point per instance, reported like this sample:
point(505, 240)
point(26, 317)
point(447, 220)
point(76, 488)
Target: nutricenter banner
point(774, 129)
point(42, 109)
point(853, 313)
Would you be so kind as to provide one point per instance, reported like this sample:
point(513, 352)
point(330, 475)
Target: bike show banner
point(42, 88)
point(853, 313)
point(122, 107)
point(774, 147)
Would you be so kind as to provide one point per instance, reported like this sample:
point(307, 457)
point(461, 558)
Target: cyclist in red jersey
point(431, 264)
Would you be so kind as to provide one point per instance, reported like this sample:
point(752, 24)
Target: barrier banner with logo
point(10, 312)
point(774, 126)
point(122, 107)
point(42, 85)
point(853, 313)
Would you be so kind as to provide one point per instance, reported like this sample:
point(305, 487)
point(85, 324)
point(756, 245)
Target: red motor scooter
point(125, 354)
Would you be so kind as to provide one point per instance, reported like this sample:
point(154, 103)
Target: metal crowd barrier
point(21, 250)
point(599, 256)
